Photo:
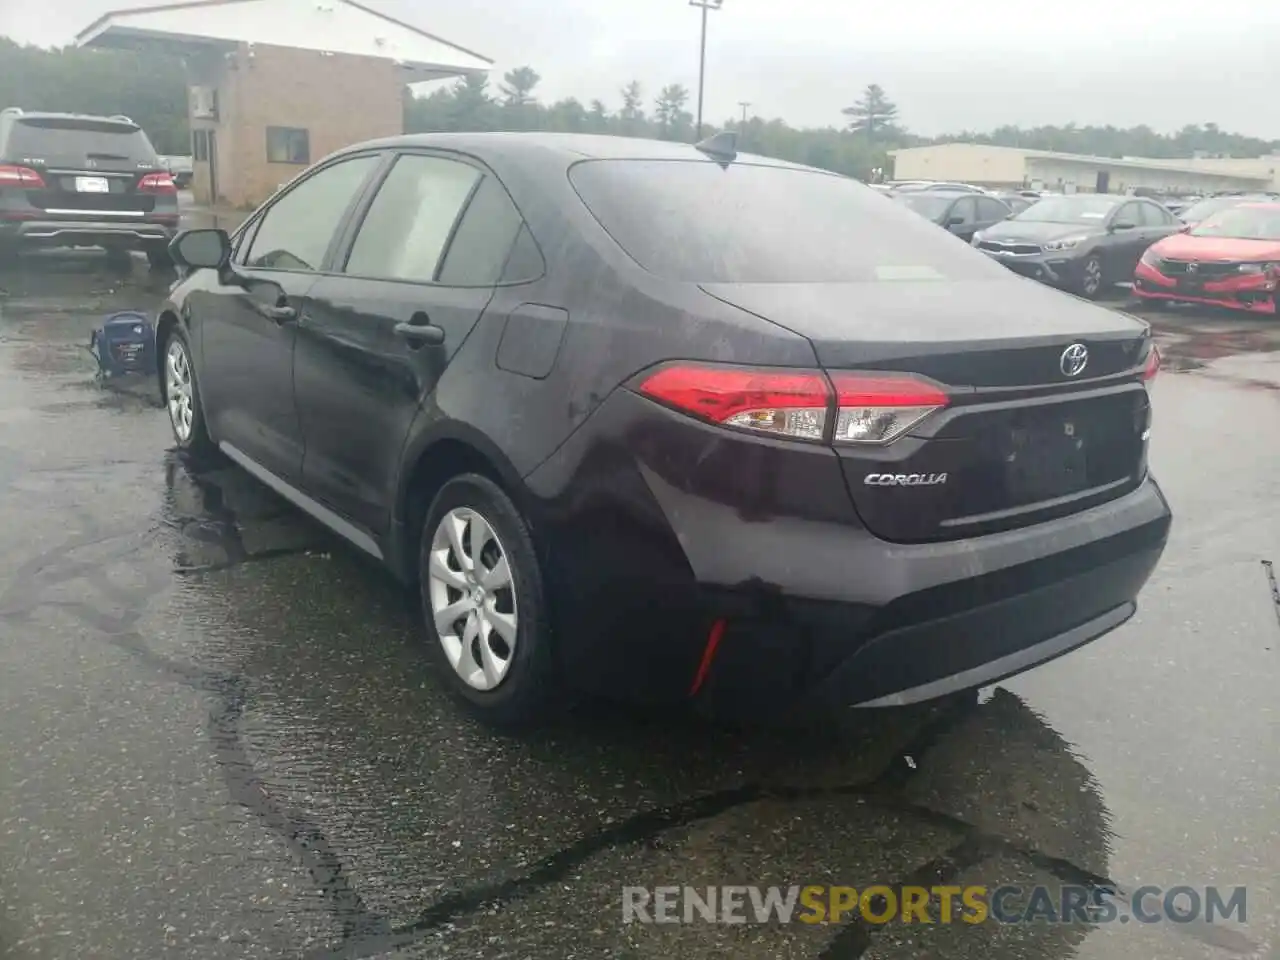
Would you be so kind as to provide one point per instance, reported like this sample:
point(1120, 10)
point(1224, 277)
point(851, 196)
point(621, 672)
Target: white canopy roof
point(334, 26)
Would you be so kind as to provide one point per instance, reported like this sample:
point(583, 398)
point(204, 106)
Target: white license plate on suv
point(92, 185)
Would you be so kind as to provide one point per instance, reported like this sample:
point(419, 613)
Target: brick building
point(274, 85)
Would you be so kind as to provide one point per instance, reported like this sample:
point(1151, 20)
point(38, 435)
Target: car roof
point(570, 147)
point(1272, 205)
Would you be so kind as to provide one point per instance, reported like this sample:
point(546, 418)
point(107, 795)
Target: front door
point(422, 267)
point(247, 347)
point(1123, 243)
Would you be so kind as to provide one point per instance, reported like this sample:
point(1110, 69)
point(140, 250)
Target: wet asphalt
point(220, 736)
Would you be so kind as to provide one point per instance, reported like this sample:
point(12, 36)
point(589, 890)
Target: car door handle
point(282, 313)
point(421, 334)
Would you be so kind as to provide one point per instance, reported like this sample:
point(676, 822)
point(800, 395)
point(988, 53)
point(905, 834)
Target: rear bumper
point(1253, 294)
point(930, 641)
point(656, 529)
point(69, 233)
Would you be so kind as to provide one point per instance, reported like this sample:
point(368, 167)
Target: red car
point(1231, 259)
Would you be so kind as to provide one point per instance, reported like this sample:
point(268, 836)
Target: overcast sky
point(948, 65)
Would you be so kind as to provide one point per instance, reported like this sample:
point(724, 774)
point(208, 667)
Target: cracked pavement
point(219, 735)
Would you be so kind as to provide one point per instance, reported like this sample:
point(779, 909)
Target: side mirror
point(954, 221)
point(1123, 225)
point(201, 249)
point(1185, 228)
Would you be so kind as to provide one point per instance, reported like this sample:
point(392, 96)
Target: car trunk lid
point(1025, 435)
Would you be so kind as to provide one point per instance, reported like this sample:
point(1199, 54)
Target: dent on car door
point(422, 267)
point(248, 348)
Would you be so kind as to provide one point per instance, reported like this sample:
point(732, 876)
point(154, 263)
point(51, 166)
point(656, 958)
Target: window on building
point(297, 229)
point(411, 219)
point(200, 146)
point(288, 145)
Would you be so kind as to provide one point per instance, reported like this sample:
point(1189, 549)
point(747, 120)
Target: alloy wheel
point(1092, 276)
point(179, 395)
point(472, 596)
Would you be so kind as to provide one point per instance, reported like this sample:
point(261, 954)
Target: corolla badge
point(904, 479)
point(1074, 359)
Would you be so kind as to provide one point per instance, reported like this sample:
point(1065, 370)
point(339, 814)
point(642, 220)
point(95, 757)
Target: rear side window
point(411, 219)
point(79, 143)
point(483, 239)
point(695, 221)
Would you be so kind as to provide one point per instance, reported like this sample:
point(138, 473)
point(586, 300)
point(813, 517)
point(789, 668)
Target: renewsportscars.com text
point(940, 904)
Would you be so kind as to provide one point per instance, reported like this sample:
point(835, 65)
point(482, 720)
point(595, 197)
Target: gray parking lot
point(219, 736)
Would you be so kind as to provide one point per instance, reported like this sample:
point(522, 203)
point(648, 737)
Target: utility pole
point(704, 6)
point(744, 104)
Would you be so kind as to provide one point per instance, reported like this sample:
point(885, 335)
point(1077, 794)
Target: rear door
point(92, 168)
point(423, 263)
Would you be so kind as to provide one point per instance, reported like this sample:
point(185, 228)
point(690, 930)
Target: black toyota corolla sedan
point(659, 421)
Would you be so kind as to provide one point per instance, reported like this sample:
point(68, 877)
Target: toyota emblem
point(1074, 359)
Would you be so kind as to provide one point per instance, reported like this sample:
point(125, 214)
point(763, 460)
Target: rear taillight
point(24, 177)
point(873, 409)
point(797, 403)
point(1152, 366)
point(789, 403)
point(160, 183)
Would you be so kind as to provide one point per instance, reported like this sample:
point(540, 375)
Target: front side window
point(965, 211)
point(288, 145)
point(411, 219)
point(297, 229)
point(1130, 213)
point(992, 209)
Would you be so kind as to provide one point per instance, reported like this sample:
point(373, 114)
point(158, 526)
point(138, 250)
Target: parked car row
point(1084, 242)
point(1229, 257)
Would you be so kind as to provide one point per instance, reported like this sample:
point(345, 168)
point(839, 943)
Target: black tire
point(1090, 283)
point(158, 257)
point(198, 443)
point(118, 258)
point(529, 690)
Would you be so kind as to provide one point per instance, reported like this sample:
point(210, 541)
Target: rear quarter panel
point(621, 320)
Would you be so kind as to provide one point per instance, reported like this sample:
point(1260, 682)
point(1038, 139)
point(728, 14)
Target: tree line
point(152, 91)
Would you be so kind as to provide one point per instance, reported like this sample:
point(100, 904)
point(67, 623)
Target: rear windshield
point(61, 141)
point(696, 221)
